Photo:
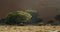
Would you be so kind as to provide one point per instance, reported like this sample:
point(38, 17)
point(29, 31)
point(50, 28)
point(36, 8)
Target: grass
point(29, 28)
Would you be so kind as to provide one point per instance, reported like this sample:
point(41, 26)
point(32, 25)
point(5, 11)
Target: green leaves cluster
point(17, 17)
point(35, 16)
point(22, 17)
point(57, 17)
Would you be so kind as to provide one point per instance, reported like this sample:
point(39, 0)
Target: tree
point(17, 17)
point(35, 16)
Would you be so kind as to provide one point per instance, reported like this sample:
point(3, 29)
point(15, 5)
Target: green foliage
point(50, 22)
point(35, 16)
point(57, 17)
point(17, 17)
point(2, 21)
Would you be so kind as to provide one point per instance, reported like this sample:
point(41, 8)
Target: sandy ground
point(29, 28)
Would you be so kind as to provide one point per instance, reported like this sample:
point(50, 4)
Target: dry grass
point(28, 28)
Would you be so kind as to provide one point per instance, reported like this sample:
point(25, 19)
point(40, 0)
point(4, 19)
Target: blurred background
point(47, 9)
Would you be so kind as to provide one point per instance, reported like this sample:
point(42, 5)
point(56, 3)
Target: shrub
point(2, 21)
point(35, 16)
point(17, 17)
point(50, 22)
point(57, 17)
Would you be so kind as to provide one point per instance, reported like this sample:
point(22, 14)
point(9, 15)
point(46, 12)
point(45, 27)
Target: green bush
point(35, 16)
point(17, 17)
point(57, 17)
